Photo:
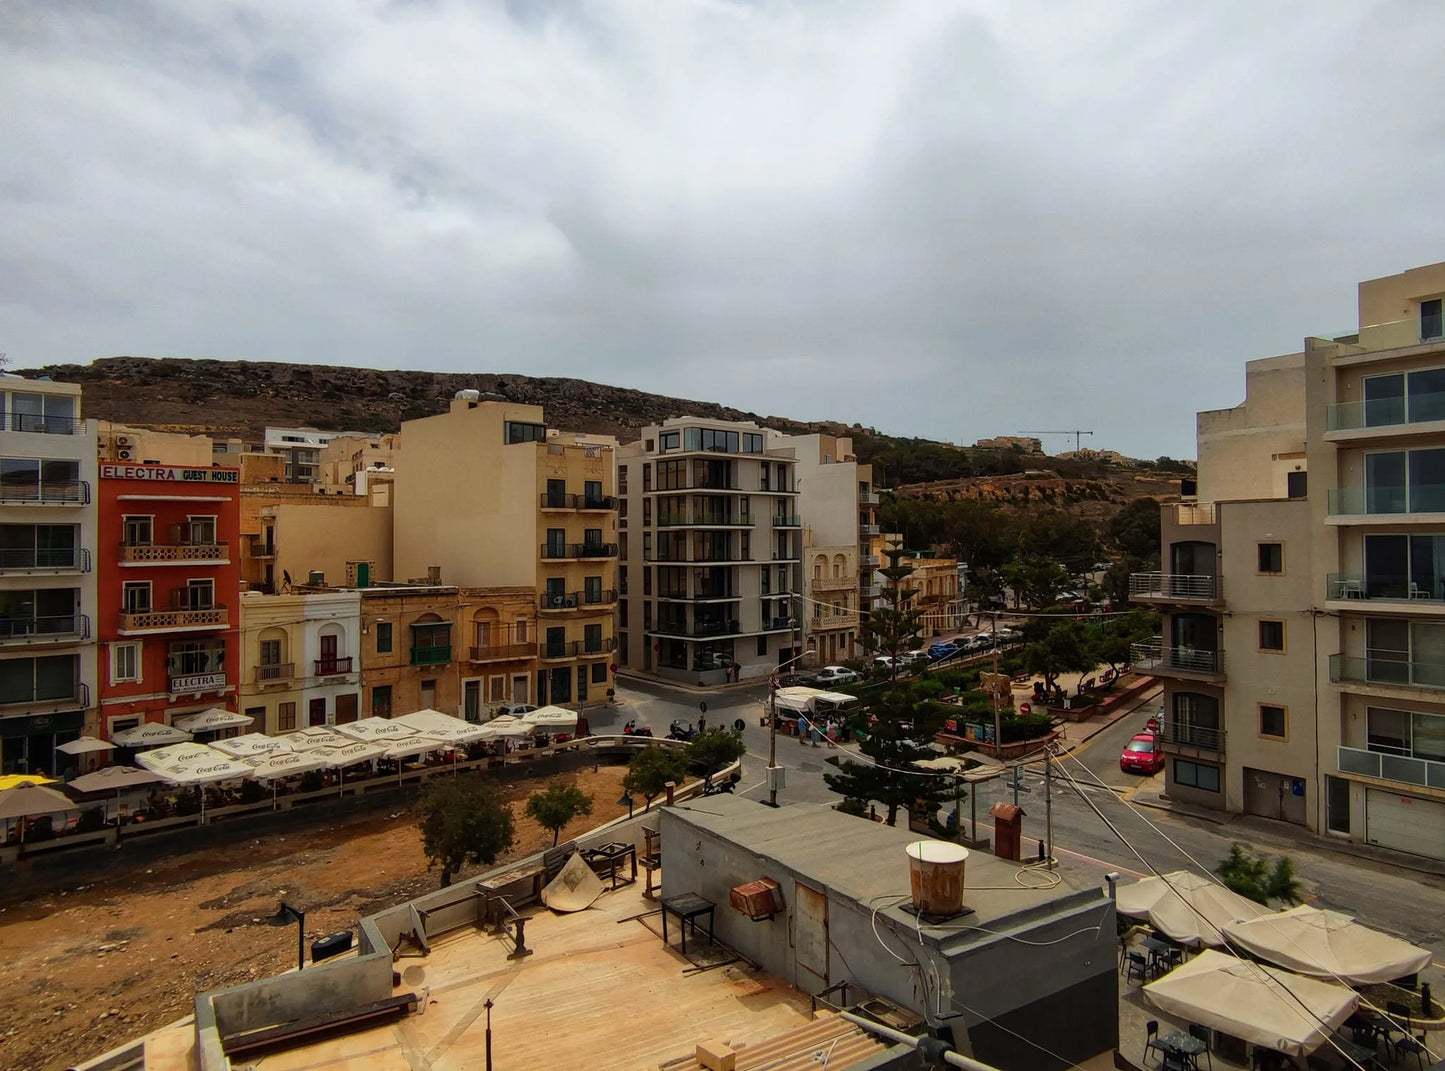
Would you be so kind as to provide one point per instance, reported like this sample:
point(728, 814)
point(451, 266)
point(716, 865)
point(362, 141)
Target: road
point(1390, 898)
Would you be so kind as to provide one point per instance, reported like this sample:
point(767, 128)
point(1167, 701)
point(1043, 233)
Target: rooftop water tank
point(935, 876)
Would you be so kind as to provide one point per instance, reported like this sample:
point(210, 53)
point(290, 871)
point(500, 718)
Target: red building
point(168, 600)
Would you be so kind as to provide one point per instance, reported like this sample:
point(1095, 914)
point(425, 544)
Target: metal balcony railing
point(35, 424)
point(276, 671)
point(1388, 668)
point(582, 502)
point(1402, 769)
point(704, 519)
point(556, 551)
point(699, 557)
point(76, 694)
point(1156, 658)
point(215, 616)
point(332, 667)
point(503, 651)
point(431, 656)
point(175, 552)
point(576, 648)
point(787, 520)
point(69, 493)
point(1181, 586)
point(53, 629)
point(699, 629)
point(260, 546)
point(61, 560)
point(1353, 586)
point(1196, 736)
point(576, 600)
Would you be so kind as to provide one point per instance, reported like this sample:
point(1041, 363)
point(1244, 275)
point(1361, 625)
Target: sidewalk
point(1073, 734)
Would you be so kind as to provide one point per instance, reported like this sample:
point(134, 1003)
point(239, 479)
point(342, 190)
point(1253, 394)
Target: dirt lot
point(94, 966)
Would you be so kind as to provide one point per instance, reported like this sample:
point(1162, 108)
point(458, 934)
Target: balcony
point(787, 520)
point(1401, 769)
point(22, 631)
point(503, 652)
point(868, 530)
point(174, 553)
point(705, 593)
point(783, 554)
point(869, 591)
point(577, 551)
point(1192, 740)
point(1192, 662)
point(260, 546)
point(552, 652)
point(867, 498)
point(431, 656)
point(275, 672)
point(335, 667)
point(1388, 670)
point(62, 560)
point(41, 700)
point(699, 558)
point(72, 493)
point(1174, 587)
point(36, 424)
point(870, 561)
point(174, 620)
point(1346, 505)
point(834, 583)
point(1195, 513)
point(602, 503)
point(824, 622)
point(576, 600)
point(698, 630)
point(704, 519)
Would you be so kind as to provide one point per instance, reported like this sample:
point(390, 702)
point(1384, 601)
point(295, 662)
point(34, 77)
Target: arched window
point(840, 566)
point(820, 566)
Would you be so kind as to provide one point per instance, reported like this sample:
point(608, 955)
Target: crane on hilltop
point(1077, 433)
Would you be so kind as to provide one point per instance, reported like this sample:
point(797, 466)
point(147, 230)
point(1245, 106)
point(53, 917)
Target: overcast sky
point(954, 220)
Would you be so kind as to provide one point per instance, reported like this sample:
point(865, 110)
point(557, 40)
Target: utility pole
point(793, 656)
point(1049, 805)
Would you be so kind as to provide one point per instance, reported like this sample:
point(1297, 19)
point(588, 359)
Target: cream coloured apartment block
point(300, 659)
point(1303, 594)
point(711, 545)
point(348, 463)
point(491, 497)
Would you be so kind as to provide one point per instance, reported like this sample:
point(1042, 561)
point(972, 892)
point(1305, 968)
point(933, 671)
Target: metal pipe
point(950, 1057)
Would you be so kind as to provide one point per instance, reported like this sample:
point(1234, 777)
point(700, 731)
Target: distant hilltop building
point(1024, 444)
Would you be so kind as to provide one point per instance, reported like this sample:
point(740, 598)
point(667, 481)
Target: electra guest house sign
point(169, 474)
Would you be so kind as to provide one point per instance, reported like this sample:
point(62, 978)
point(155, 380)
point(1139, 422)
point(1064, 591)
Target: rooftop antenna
point(1077, 433)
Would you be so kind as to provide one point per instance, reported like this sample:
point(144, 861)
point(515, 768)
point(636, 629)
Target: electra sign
point(197, 682)
point(168, 474)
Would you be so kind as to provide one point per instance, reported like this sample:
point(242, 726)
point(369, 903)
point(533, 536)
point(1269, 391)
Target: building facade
point(712, 551)
point(1310, 558)
point(409, 651)
point(536, 510)
point(300, 659)
point(47, 582)
point(169, 589)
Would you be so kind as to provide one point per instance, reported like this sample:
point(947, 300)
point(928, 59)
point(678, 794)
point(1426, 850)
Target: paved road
point(1391, 898)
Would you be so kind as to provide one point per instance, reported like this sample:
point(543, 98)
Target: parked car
point(1142, 755)
point(942, 649)
point(835, 675)
point(518, 710)
point(887, 663)
point(916, 658)
point(795, 680)
point(1005, 636)
point(982, 641)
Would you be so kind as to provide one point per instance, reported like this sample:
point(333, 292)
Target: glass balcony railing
point(1387, 668)
point(1420, 408)
point(1402, 769)
point(1394, 500)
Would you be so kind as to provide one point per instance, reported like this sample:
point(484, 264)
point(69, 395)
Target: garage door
point(1405, 823)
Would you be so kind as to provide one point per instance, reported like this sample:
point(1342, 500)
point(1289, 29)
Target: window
point(667, 517)
point(1297, 484)
point(556, 543)
point(1337, 804)
point(671, 475)
point(199, 531)
point(1432, 321)
point(39, 546)
point(592, 540)
point(762, 646)
point(198, 594)
point(135, 596)
point(592, 638)
point(286, 716)
point(518, 432)
point(622, 479)
point(383, 637)
point(32, 680)
point(1405, 481)
point(647, 476)
point(28, 479)
point(599, 672)
point(380, 701)
point(42, 413)
point(1196, 775)
point(185, 658)
point(270, 654)
point(581, 684)
point(669, 440)
point(752, 443)
point(1271, 558)
point(1271, 636)
point(592, 493)
point(556, 494)
point(124, 662)
point(592, 589)
point(44, 611)
point(1272, 722)
point(1412, 734)
point(647, 580)
point(622, 645)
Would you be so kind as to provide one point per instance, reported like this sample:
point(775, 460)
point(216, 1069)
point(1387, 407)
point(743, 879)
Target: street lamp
point(626, 801)
point(285, 915)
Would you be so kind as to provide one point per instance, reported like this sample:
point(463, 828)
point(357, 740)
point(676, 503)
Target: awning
point(553, 719)
point(176, 753)
point(1326, 944)
point(211, 720)
point(251, 745)
point(197, 765)
point(112, 779)
point(149, 733)
point(84, 745)
point(1253, 1001)
point(1175, 902)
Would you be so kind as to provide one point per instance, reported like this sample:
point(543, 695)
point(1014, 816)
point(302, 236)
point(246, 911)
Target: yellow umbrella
point(18, 779)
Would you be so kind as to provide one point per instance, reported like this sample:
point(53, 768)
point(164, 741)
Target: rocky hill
point(243, 397)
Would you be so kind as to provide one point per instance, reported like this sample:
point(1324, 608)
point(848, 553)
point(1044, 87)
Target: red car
point(1142, 755)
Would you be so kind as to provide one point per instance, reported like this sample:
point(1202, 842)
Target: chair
point(1317, 1063)
point(1151, 1036)
point(1202, 1033)
point(1417, 592)
point(1411, 1045)
point(1175, 1062)
point(1138, 965)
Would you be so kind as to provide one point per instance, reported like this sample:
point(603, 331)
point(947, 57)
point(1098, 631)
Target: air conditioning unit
point(124, 455)
point(569, 602)
point(124, 440)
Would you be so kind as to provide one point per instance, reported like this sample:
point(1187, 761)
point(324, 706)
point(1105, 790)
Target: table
point(612, 854)
point(688, 907)
point(1181, 1043)
point(1364, 1055)
point(1161, 952)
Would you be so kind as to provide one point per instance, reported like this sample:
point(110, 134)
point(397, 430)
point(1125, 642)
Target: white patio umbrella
point(415, 745)
point(83, 745)
point(277, 765)
point(193, 764)
point(338, 758)
point(1327, 944)
point(114, 778)
point(507, 725)
point(1186, 907)
point(372, 729)
point(444, 726)
point(149, 734)
point(314, 736)
point(1261, 1004)
point(210, 720)
point(252, 744)
point(175, 753)
point(552, 719)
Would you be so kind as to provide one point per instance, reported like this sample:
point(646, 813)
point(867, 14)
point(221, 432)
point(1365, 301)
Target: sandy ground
point(92, 967)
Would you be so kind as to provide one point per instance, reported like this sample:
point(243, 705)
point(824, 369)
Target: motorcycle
point(681, 730)
point(712, 788)
point(633, 729)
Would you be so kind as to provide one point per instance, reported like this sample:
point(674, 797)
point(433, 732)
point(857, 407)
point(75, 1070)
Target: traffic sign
point(1025, 708)
point(1152, 725)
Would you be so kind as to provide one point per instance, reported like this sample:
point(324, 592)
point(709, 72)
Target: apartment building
point(168, 591)
point(300, 659)
point(934, 582)
point(491, 497)
point(837, 503)
point(348, 463)
point(47, 586)
point(1328, 600)
point(409, 660)
point(300, 448)
point(711, 551)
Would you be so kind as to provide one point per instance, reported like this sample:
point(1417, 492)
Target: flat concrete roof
point(865, 861)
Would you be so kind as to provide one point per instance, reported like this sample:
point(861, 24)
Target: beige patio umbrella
point(338, 758)
point(443, 726)
point(114, 779)
point(83, 745)
point(1253, 1001)
point(1327, 944)
point(552, 719)
point(1186, 907)
point(314, 736)
point(24, 801)
point(376, 729)
point(211, 720)
point(149, 733)
point(277, 765)
point(252, 744)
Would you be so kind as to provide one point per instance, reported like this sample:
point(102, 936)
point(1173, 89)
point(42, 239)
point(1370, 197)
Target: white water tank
point(468, 395)
point(935, 876)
